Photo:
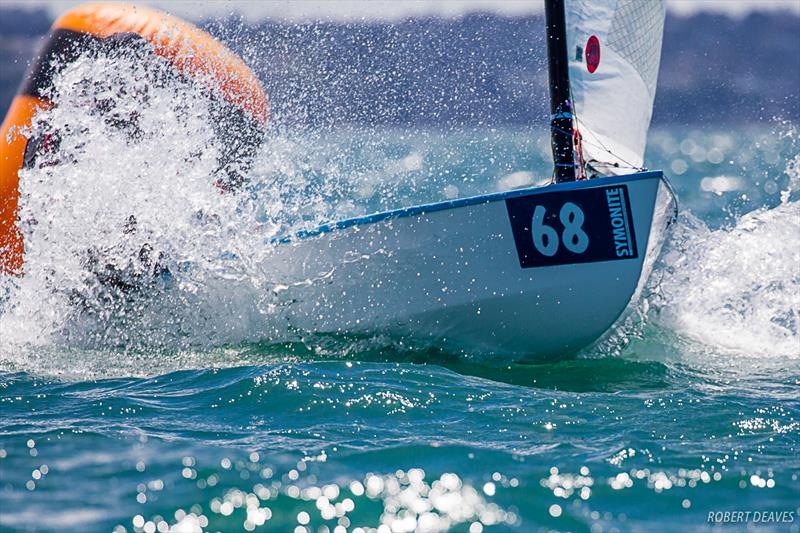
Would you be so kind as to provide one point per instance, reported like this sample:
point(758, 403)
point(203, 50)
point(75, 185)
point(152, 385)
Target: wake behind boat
point(532, 273)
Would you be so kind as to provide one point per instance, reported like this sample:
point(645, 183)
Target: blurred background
point(464, 62)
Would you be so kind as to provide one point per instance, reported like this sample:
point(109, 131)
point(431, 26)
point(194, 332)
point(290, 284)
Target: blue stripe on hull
point(464, 202)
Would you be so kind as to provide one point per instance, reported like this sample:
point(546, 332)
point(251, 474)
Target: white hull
point(452, 273)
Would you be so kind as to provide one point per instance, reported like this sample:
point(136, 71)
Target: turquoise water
point(187, 412)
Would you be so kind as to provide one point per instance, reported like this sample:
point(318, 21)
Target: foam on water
point(736, 288)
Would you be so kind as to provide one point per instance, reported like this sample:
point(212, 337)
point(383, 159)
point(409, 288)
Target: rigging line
point(597, 163)
point(574, 111)
point(629, 164)
point(601, 145)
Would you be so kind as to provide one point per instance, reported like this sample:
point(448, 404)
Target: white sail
point(614, 50)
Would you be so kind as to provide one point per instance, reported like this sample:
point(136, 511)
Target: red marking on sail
point(592, 54)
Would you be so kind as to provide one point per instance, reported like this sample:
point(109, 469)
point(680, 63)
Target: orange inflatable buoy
point(193, 53)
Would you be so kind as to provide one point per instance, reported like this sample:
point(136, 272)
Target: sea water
point(188, 404)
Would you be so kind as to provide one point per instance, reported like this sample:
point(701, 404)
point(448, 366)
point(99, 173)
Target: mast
point(560, 101)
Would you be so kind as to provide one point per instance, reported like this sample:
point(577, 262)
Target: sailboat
point(534, 273)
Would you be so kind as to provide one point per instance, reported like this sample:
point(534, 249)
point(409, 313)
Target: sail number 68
point(545, 238)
